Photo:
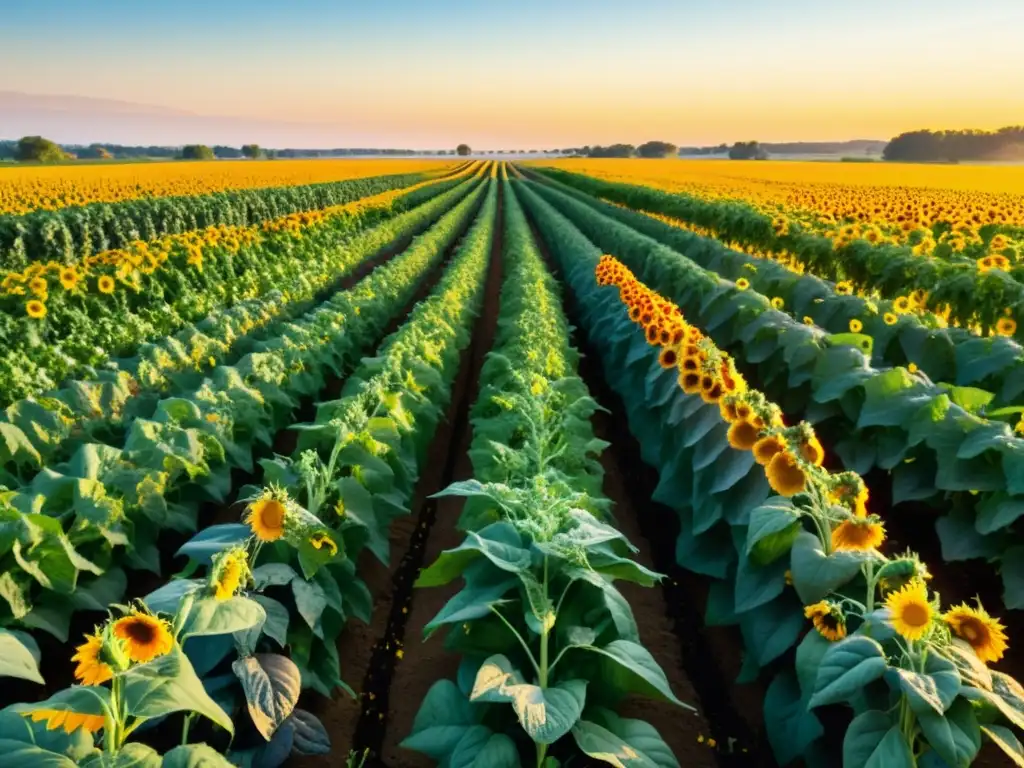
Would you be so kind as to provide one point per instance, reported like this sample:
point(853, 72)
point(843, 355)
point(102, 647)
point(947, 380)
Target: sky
point(494, 74)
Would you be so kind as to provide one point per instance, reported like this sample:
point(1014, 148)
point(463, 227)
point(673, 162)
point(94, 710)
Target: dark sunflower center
point(915, 614)
point(141, 632)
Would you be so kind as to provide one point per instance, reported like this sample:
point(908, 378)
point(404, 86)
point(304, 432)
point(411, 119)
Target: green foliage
point(657, 149)
point(196, 152)
point(463, 149)
point(36, 149)
point(747, 150)
point(251, 150)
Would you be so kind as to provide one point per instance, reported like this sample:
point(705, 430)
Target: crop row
point(974, 293)
point(70, 333)
point(932, 448)
point(72, 234)
point(294, 556)
point(785, 540)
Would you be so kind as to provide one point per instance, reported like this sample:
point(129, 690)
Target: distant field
point(28, 188)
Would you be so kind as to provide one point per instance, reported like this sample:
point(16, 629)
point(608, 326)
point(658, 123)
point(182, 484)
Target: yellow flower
point(742, 435)
point(986, 635)
point(827, 619)
point(1006, 326)
point(890, 318)
point(785, 476)
point(106, 284)
point(66, 720)
point(812, 452)
point(808, 320)
point(856, 326)
point(777, 302)
point(319, 540)
point(266, 518)
point(844, 288)
point(858, 534)
point(145, 637)
point(743, 283)
point(912, 368)
point(229, 574)
point(766, 448)
point(91, 669)
point(909, 610)
point(38, 286)
point(901, 305)
point(36, 309)
point(69, 278)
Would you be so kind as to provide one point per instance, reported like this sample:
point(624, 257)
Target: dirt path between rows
point(370, 662)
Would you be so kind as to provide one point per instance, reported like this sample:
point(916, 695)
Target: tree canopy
point(657, 149)
point(954, 146)
point(251, 150)
point(196, 152)
point(747, 150)
point(463, 149)
point(39, 150)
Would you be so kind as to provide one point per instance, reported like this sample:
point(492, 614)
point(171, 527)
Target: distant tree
point(229, 153)
point(463, 149)
point(657, 149)
point(196, 152)
point(39, 150)
point(94, 152)
point(953, 146)
point(747, 150)
point(251, 150)
point(615, 150)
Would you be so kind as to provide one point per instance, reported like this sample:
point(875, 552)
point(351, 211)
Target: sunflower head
point(668, 358)
point(36, 309)
point(785, 475)
point(66, 720)
point(743, 435)
point(890, 318)
point(229, 573)
point(268, 514)
point(856, 326)
point(766, 448)
point(910, 610)
point(777, 302)
point(844, 288)
point(145, 636)
point(68, 278)
point(106, 284)
point(858, 534)
point(1006, 326)
point(828, 618)
point(985, 634)
point(322, 540)
point(743, 283)
point(91, 667)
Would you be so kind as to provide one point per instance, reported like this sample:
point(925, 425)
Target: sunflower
point(106, 284)
point(91, 669)
point(38, 286)
point(743, 435)
point(711, 390)
point(145, 637)
point(856, 326)
point(766, 448)
point(912, 368)
point(69, 278)
point(668, 358)
point(728, 411)
point(890, 318)
point(986, 635)
point(858, 534)
point(844, 288)
point(266, 518)
point(743, 283)
point(901, 305)
point(690, 382)
point(66, 720)
point(909, 610)
point(36, 309)
point(812, 452)
point(808, 320)
point(785, 476)
point(777, 302)
point(229, 574)
point(828, 620)
point(1006, 326)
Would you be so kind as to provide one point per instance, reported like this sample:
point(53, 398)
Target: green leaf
point(641, 736)
point(1007, 741)
point(131, 755)
point(485, 586)
point(213, 540)
point(480, 748)
point(169, 684)
point(934, 690)
point(846, 668)
point(195, 756)
point(16, 727)
point(546, 714)
point(210, 616)
point(873, 741)
point(19, 656)
point(601, 744)
point(790, 727)
point(815, 574)
point(499, 542)
point(773, 528)
point(311, 737)
point(272, 684)
point(17, 754)
point(629, 667)
point(955, 736)
point(443, 718)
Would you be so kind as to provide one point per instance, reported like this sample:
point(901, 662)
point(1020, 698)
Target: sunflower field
point(480, 464)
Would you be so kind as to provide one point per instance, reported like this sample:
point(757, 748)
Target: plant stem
point(543, 671)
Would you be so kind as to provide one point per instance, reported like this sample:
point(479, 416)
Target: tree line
point(953, 146)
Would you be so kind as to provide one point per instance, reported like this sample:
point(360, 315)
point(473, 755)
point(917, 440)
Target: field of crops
point(475, 464)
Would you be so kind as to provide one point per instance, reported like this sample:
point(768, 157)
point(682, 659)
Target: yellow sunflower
point(321, 540)
point(986, 634)
point(106, 284)
point(145, 637)
point(743, 283)
point(785, 475)
point(766, 448)
point(909, 610)
point(229, 574)
point(743, 435)
point(69, 278)
point(812, 452)
point(91, 669)
point(890, 318)
point(808, 320)
point(668, 358)
point(901, 305)
point(856, 326)
point(266, 518)
point(36, 309)
point(828, 619)
point(1006, 326)
point(67, 721)
point(844, 288)
point(38, 286)
point(778, 303)
point(858, 534)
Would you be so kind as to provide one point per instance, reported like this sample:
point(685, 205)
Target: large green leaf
point(790, 726)
point(955, 736)
point(846, 668)
point(479, 747)
point(499, 542)
point(169, 684)
point(443, 718)
point(931, 691)
point(195, 756)
point(629, 667)
point(272, 684)
point(210, 616)
point(18, 754)
point(131, 755)
point(1006, 740)
point(815, 574)
point(873, 740)
point(773, 528)
point(601, 744)
point(19, 656)
point(546, 714)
